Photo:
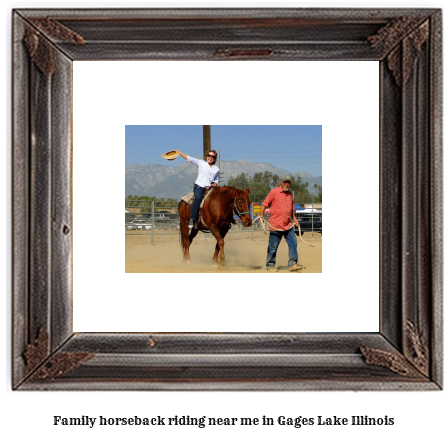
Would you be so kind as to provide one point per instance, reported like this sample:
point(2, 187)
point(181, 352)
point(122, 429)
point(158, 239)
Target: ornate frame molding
point(406, 354)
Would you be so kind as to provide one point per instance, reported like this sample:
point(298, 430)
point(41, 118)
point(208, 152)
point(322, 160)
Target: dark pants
point(198, 195)
point(274, 241)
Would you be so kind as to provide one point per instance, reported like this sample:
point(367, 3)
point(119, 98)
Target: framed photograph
point(159, 191)
point(52, 351)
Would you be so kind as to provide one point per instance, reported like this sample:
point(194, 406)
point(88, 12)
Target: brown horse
point(217, 214)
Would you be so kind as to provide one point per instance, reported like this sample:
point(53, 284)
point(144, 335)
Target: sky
point(293, 148)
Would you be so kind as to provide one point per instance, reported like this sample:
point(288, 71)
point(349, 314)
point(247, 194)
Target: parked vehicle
point(141, 224)
point(310, 223)
point(167, 224)
point(130, 226)
point(162, 214)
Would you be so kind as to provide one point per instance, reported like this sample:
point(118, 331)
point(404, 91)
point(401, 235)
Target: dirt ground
point(243, 255)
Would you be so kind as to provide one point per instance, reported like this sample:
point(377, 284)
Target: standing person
point(281, 204)
point(208, 175)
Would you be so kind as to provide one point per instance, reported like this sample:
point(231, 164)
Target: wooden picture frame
point(406, 353)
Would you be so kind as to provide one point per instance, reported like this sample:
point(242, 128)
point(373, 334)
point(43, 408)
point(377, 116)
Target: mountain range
point(173, 182)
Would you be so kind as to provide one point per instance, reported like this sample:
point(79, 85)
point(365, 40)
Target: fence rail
point(161, 219)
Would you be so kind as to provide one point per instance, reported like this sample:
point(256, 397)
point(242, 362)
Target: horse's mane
point(231, 190)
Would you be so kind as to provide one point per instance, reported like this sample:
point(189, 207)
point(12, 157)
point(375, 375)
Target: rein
point(262, 220)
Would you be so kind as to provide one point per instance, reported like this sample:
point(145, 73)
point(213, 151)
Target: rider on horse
point(208, 175)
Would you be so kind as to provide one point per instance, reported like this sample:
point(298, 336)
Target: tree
point(240, 181)
point(301, 193)
point(145, 202)
point(318, 198)
point(261, 184)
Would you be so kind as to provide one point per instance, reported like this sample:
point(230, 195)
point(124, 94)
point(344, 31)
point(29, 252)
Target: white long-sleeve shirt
point(206, 174)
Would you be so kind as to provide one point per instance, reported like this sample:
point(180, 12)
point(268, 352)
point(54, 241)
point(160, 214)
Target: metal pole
point(252, 214)
point(152, 223)
point(207, 143)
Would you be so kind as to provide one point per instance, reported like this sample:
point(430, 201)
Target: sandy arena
point(243, 255)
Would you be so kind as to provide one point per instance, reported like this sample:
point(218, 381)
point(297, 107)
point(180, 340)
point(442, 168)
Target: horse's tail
point(181, 211)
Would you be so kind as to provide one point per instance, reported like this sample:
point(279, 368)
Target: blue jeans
point(274, 241)
point(198, 195)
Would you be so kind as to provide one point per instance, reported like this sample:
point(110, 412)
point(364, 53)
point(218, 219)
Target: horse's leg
point(223, 233)
point(219, 248)
point(192, 235)
point(215, 255)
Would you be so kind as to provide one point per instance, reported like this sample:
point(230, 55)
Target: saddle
point(189, 198)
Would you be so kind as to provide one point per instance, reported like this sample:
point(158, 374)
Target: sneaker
point(295, 268)
point(273, 269)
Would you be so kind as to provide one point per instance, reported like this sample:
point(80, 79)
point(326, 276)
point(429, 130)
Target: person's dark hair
point(216, 155)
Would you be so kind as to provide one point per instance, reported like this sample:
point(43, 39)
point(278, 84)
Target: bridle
point(239, 214)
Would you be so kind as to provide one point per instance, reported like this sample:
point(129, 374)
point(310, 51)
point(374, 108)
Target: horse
point(217, 214)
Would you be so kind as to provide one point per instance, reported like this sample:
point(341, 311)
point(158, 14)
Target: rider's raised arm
point(193, 160)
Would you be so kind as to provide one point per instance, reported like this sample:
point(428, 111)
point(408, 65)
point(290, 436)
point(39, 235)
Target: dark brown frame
point(406, 354)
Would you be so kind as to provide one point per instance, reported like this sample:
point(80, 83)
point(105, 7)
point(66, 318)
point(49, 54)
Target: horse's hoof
point(215, 266)
point(189, 262)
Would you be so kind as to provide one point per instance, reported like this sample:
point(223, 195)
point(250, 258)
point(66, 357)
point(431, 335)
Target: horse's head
point(241, 207)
